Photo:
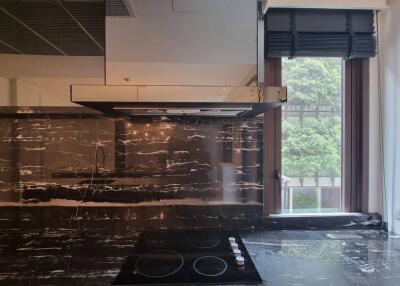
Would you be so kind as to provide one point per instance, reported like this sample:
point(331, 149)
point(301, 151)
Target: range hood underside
point(205, 109)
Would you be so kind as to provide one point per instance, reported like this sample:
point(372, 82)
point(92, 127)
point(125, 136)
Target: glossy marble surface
point(94, 256)
point(357, 257)
point(71, 154)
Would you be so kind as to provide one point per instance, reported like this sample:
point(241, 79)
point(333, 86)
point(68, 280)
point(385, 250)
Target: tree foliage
point(312, 146)
point(313, 81)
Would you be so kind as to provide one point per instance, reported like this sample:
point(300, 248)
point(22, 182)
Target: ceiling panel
point(117, 8)
point(21, 38)
point(5, 49)
point(45, 28)
point(91, 16)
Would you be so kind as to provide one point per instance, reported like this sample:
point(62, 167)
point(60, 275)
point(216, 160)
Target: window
point(312, 136)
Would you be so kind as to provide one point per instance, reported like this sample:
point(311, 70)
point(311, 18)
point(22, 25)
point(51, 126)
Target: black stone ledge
point(130, 217)
point(239, 217)
point(324, 221)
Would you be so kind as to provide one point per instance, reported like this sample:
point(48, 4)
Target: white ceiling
point(183, 42)
point(204, 6)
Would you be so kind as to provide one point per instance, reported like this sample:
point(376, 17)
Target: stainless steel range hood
point(216, 101)
point(156, 65)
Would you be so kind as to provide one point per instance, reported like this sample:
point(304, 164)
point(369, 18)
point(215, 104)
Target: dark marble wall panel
point(71, 157)
point(8, 155)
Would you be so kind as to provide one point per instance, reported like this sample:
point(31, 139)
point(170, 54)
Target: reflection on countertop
point(94, 256)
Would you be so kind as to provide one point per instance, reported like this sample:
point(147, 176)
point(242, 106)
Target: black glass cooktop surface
point(186, 257)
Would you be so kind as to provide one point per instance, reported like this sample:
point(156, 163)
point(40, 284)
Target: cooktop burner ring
point(156, 255)
point(203, 241)
point(215, 258)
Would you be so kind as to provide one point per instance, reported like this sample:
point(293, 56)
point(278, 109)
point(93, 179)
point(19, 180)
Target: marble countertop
point(93, 257)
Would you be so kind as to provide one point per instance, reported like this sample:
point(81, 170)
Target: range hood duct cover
point(178, 100)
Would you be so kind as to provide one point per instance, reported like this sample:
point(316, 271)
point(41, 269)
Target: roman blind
point(319, 33)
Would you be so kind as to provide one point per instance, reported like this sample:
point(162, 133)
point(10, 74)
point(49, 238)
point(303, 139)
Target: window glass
point(312, 135)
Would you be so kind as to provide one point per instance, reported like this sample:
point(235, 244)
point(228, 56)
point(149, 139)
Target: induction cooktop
point(187, 257)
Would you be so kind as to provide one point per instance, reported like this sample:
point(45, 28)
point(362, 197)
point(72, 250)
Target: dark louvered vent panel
point(91, 16)
point(18, 36)
point(46, 27)
point(312, 32)
point(117, 8)
point(5, 49)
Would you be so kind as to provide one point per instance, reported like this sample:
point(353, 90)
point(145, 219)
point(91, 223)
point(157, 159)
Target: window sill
point(315, 215)
point(323, 221)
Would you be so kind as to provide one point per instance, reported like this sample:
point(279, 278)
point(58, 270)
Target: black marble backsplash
point(72, 156)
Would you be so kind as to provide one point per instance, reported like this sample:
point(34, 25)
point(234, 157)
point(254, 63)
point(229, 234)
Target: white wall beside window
point(389, 68)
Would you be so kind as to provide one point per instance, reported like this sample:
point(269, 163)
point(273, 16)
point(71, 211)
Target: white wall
point(45, 80)
point(52, 66)
point(48, 91)
point(375, 179)
point(389, 33)
point(4, 91)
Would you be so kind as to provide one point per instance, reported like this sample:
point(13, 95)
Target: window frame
point(272, 155)
point(355, 138)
